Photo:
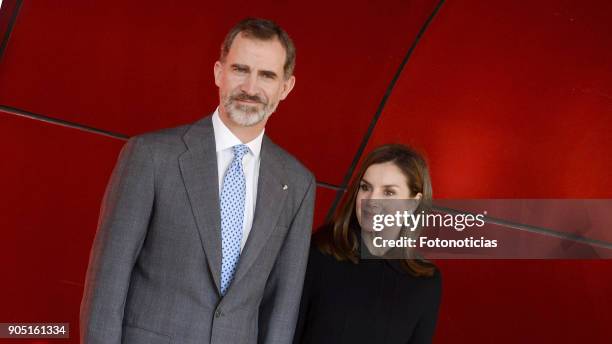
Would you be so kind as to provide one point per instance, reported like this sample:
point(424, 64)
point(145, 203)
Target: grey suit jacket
point(155, 265)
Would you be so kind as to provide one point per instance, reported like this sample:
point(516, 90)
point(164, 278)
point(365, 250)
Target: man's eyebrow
point(268, 73)
point(240, 66)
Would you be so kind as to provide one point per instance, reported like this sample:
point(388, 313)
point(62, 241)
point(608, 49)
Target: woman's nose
point(372, 205)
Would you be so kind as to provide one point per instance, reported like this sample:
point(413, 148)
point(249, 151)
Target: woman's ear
point(414, 205)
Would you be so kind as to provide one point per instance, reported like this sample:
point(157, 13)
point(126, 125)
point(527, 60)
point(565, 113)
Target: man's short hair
point(265, 30)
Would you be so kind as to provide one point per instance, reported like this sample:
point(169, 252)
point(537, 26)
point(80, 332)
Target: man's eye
point(239, 70)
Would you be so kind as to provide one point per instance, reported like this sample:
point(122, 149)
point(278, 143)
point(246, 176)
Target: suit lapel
point(199, 171)
point(270, 199)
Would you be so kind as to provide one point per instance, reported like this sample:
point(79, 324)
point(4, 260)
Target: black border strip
point(534, 229)
point(62, 123)
point(329, 186)
point(9, 29)
point(81, 127)
point(378, 113)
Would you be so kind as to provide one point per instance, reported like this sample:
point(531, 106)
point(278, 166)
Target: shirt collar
point(225, 139)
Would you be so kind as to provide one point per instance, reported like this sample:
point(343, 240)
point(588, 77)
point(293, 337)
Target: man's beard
point(247, 115)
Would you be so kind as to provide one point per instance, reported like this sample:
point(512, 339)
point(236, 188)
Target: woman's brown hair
point(339, 238)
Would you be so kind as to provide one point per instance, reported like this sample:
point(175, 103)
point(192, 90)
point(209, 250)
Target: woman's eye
point(389, 193)
point(363, 187)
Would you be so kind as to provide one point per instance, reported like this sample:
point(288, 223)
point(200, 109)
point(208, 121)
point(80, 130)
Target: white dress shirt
point(224, 141)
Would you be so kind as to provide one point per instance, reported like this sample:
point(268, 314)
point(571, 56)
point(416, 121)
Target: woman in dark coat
point(349, 299)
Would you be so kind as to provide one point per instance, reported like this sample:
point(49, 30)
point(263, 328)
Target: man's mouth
point(248, 101)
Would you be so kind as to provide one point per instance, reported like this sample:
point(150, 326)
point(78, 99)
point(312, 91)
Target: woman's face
point(382, 181)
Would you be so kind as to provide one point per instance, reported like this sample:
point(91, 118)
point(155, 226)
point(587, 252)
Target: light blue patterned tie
point(232, 216)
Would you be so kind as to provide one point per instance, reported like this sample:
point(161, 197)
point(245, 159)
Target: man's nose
point(249, 86)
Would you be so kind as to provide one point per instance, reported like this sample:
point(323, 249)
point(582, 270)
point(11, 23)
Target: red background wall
point(507, 100)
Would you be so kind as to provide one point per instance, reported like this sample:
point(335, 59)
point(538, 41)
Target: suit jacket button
point(218, 313)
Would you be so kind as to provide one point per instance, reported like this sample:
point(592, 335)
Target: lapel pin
point(285, 187)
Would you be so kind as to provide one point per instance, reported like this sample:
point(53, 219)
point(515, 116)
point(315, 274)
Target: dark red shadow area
point(51, 189)
point(506, 99)
point(513, 101)
point(131, 67)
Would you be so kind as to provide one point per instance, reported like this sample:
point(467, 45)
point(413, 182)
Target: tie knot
point(240, 151)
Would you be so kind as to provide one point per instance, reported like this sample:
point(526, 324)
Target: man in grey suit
point(204, 229)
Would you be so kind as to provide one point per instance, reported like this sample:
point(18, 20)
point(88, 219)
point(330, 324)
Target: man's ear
point(218, 69)
point(287, 87)
point(418, 196)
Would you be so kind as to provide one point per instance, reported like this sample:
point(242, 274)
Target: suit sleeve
point(281, 301)
point(122, 226)
point(307, 291)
